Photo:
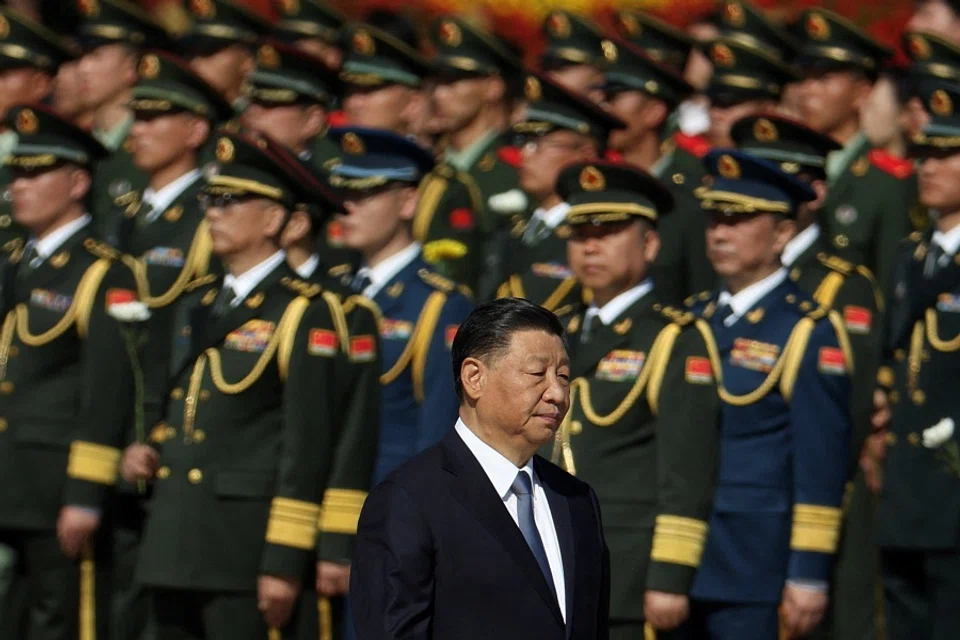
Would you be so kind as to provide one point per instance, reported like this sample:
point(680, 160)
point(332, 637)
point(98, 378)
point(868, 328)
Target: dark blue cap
point(746, 184)
point(374, 157)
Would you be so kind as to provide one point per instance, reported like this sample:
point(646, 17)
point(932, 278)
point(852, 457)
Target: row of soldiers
point(227, 484)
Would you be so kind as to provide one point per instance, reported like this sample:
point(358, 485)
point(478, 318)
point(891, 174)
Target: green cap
point(44, 139)
point(218, 24)
point(742, 72)
point(662, 42)
point(374, 57)
point(255, 166)
point(300, 19)
point(634, 70)
point(942, 133)
point(117, 21)
point(744, 23)
point(551, 107)
point(463, 48)
point(791, 144)
point(167, 84)
point(932, 55)
point(604, 192)
point(572, 39)
point(285, 75)
point(829, 41)
point(24, 43)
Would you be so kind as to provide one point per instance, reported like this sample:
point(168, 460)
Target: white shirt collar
point(160, 200)
point(749, 297)
point(553, 216)
point(501, 471)
point(388, 269)
point(308, 268)
point(612, 310)
point(800, 243)
point(243, 284)
point(949, 241)
point(52, 241)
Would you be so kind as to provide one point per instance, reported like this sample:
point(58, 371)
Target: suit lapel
point(473, 490)
point(563, 521)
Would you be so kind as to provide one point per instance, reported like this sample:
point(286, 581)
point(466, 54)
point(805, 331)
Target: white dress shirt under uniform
point(247, 281)
point(798, 244)
point(612, 310)
point(502, 473)
point(49, 244)
point(160, 200)
point(386, 270)
point(742, 302)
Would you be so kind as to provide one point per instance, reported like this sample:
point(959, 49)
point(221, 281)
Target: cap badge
point(941, 104)
point(450, 33)
point(532, 89)
point(629, 25)
point(722, 56)
point(728, 167)
point(225, 150)
point(202, 8)
point(290, 7)
point(591, 179)
point(363, 43)
point(88, 8)
point(733, 14)
point(918, 46)
point(268, 57)
point(149, 67)
point(765, 131)
point(609, 50)
point(27, 122)
point(353, 145)
point(4, 28)
point(817, 27)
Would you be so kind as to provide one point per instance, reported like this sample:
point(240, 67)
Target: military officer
point(852, 291)
point(931, 56)
point(871, 192)
point(664, 43)
point(560, 127)
point(937, 16)
point(29, 58)
point(642, 428)
point(785, 423)
point(746, 23)
point(576, 53)
point(313, 26)
point(421, 310)
point(918, 530)
point(59, 349)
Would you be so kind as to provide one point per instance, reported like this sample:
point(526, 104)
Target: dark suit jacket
point(438, 556)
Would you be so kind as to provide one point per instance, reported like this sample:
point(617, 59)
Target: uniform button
point(576, 427)
point(5, 220)
point(899, 355)
point(3, 425)
point(163, 473)
point(6, 387)
point(913, 438)
point(918, 397)
point(841, 241)
point(195, 476)
point(170, 432)
point(679, 178)
point(199, 435)
point(176, 394)
point(204, 395)
point(894, 397)
point(791, 299)
point(891, 438)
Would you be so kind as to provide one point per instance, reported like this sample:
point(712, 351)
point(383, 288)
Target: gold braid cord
point(88, 595)
point(195, 265)
point(79, 310)
point(558, 295)
point(356, 301)
point(938, 343)
point(431, 190)
point(826, 293)
point(421, 341)
point(430, 310)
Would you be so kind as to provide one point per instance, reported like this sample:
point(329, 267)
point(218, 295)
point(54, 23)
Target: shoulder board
point(465, 291)
point(301, 287)
point(899, 168)
point(13, 245)
point(914, 238)
point(340, 270)
point(678, 316)
point(101, 249)
point(127, 199)
point(444, 171)
point(193, 285)
point(437, 281)
point(694, 145)
point(510, 155)
point(836, 263)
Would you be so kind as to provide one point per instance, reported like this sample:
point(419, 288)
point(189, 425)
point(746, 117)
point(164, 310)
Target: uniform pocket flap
point(244, 484)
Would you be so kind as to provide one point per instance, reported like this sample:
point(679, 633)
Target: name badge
point(252, 337)
point(50, 300)
point(621, 365)
point(754, 355)
point(164, 257)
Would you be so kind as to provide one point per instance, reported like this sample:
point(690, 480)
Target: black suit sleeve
point(603, 602)
point(392, 579)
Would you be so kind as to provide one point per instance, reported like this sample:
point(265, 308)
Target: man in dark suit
point(477, 537)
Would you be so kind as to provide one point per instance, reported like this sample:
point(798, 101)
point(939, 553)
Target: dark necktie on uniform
point(30, 262)
point(723, 312)
point(933, 262)
point(523, 488)
point(533, 233)
point(589, 319)
point(224, 302)
point(361, 281)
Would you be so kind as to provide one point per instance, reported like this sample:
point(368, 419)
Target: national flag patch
point(751, 354)
point(363, 348)
point(395, 329)
point(620, 365)
point(322, 342)
point(698, 370)
point(251, 337)
point(551, 270)
point(450, 333)
point(832, 361)
point(858, 319)
point(335, 233)
point(120, 296)
point(50, 300)
point(164, 257)
point(461, 219)
point(948, 303)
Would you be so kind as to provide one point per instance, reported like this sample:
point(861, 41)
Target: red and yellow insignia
point(267, 57)
point(733, 14)
point(202, 8)
point(89, 8)
point(290, 7)
point(532, 89)
point(722, 55)
point(858, 319)
point(449, 334)
point(149, 67)
point(120, 296)
point(698, 370)
point(831, 361)
point(918, 47)
point(591, 179)
point(352, 144)
point(449, 33)
point(558, 25)
point(27, 121)
point(765, 131)
point(629, 25)
point(940, 103)
point(728, 167)
point(225, 150)
point(362, 43)
point(817, 26)
point(461, 219)
point(363, 348)
point(610, 52)
point(322, 342)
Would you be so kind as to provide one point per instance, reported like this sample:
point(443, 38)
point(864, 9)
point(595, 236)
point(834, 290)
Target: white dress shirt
point(243, 284)
point(612, 310)
point(502, 473)
point(386, 270)
point(308, 268)
point(749, 297)
point(949, 241)
point(49, 244)
point(800, 243)
point(160, 200)
point(552, 217)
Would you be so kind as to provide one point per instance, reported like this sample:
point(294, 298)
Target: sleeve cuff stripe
point(338, 521)
point(344, 498)
point(816, 539)
point(815, 514)
point(684, 552)
point(681, 524)
point(93, 463)
point(299, 536)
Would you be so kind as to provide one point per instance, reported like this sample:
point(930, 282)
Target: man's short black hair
point(487, 332)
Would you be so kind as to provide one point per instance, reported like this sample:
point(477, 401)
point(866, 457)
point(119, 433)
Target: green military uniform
point(59, 349)
point(662, 42)
point(536, 256)
point(23, 43)
point(745, 23)
point(871, 191)
point(572, 39)
point(308, 19)
point(642, 427)
point(917, 525)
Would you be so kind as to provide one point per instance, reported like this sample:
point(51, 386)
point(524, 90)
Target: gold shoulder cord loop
point(938, 343)
point(421, 341)
point(431, 190)
point(561, 292)
point(433, 305)
point(79, 311)
point(356, 301)
point(826, 293)
point(195, 265)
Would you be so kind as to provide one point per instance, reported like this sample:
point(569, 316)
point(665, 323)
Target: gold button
point(891, 438)
point(791, 298)
point(841, 241)
point(576, 427)
point(913, 438)
point(204, 395)
point(163, 473)
point(5, 220)
point(176, 394)
point(6, 387)
point(195, 476)
point(3, 425)
point(679, 178)
point(795, 274)
point(899, 355)
point(918, 397)
point(199, 435)
point(170, 432)
point(13, 352)
point(894, 397)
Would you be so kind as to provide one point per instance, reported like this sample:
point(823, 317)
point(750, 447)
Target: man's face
point(545, 157)
point(372, 220)
point(40, 197)
point(68, 98)
point(157, 141)
point(292, 125)
point(381, 107)
point(633, 107)
point(225, 70)
point(940, 183)
point(830, 100)
point(613, 257)
point(745, 244)
point(935, 16)
point(526, 391)
point(581, 79)
point(18, 86)
point(105, 73)
point(457, 103)
point(722, 118)
point(239, 224)
point(913, 118)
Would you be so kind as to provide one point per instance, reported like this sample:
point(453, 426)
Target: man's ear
point(473, 378)
point(820, 187)
point(315, 121)
point(41, 86)
point(496, 89)
point(80, 184)
point(274, 218)
point(410, 199)
point(785, 231)
point(199, 132)
point(298, 227)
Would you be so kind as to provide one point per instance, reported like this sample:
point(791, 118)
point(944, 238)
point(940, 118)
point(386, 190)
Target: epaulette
point(916, 237)
point(340, 270)
point(836, 263)
point(12, 245)
point(465, 291)
point(678, 316)
point(693, 300)
point(193, 285)
point(127, 199)
point(301, 287)
point(437, 281)
point(101, 249)
point(899, 168)
point(694, 145)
